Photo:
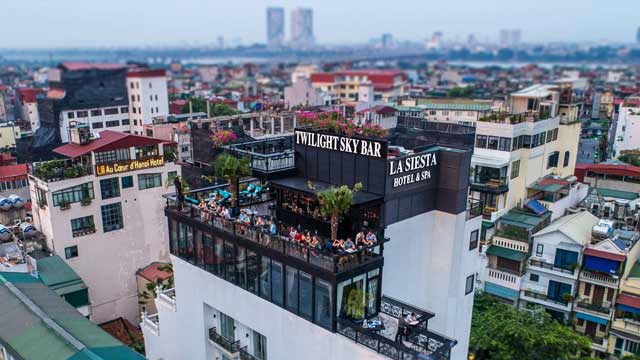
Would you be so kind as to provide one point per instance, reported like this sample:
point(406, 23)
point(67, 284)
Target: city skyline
point(57, 24)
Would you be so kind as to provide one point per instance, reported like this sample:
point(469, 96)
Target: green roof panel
point(506, 253)
point(618, 194)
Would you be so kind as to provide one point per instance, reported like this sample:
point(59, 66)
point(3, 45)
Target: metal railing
point(60, 169)
point(246, 355)
point(601, 277)
point(544, 297)
point(474, 208)
point(232, 347)
point(548, 266)
point(588, 305)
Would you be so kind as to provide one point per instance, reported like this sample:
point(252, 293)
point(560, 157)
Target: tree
point(631, 157)
point(232, 169)
point(334, 202)
point(458, 91)
point(150, 292)
point(198, 104)
point(502, 332)
point(222, 110)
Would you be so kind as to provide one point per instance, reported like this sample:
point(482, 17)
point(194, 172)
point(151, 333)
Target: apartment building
point(100, 208)
point(387, 84)
point(148, 97)
point(627, 126)
point(29, 106)
point(239, 292)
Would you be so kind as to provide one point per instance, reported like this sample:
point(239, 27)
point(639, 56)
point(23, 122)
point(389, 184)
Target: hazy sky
point(54, 23)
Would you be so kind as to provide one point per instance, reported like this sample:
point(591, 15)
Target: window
point(156, 109)
point(580, 322)
point(127, 182)
point(133, 99)
point(539, 250)
point(553, 159)
point(97, 112)
point(567, 156)
point(105, 157)
point(109, 188)
point(171, 175)
point(124, 110)
point(557, 290)
point(534, 277)
point(276, 282)
point(324, 306)
point(135, 121)
point(97, 125)
point(70, 115)
point(111, 217)
point(150, 86)
point(184, 148)
point(82, 224)
point(473, 243)
point(555, 134)
point(515, 169)
point(71, 252)
point(147, 181)
point(227, 327)
point(468, 286)
point(132, 85)
point(306, 295)
point(505, 144)
point(565, 259)
point(138, 87)
point(134, 110)
point(259, 344)
point(549, 136)
point(146, 151)
point(265, 278)
point(481, 141)
point(112, 123)
point(73, 194)
point(82, 114)
point(493, 142)
point(149, 133)
point(138, 97)
point(125, 122)
point(111, 111)
point(156, 96)
point(150, 96)
point(587, 289)
point(292, 289)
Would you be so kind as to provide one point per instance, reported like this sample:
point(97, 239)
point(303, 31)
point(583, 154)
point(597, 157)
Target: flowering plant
point(333, 122)
point(223, 137)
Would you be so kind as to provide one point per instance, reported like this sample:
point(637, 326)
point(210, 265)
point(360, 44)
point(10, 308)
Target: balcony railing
point(268, 155)
point(474, 208)
point(506, 118)
point(544, 297)
point(548, 266)
point(232, 347)
point(598, 277)
point(56, 170)
point(599, 308)
point(246, 355)
point(494, 186)
point(260, 235)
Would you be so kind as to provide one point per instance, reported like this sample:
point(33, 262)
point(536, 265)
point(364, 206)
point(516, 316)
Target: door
point(598, 295)
point(591, 329)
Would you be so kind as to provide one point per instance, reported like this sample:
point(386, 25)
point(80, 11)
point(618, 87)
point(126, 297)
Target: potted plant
point(567, 297)
point(64, 205)
point(91, 228)
point(334, 202)
point(85, 201)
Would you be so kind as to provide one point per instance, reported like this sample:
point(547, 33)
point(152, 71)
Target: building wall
point(108, 262)
point(98, 122)
point(302, 93)
point(8, 136)
point(30, 113)
point(628, 128)
point(149, 96)
point(199, 294)
point(431, 251)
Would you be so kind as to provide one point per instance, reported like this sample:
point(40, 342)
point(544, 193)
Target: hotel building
point(100, 209)
point(241, 292)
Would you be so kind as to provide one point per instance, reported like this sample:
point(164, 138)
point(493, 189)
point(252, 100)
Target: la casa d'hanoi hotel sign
point(129, 165)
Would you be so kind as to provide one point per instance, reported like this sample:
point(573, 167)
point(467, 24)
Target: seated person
point(273, 229)
point(411, 319)
point(314, 243)
point(328, 245)
point(244, 218)
point(259, 221)
point(298, 236)
point(337, 245)
point(371, 238)
point(360, 239)
point(349, 245)
point(292, 232)
point(224, 213)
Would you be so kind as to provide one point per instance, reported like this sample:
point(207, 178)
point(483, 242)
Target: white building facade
point(148, 97)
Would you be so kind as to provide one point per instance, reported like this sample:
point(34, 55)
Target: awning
point(300, 184)
point(506, 253)
point(591, 318)
point(604, 254)
point(71, 289)
point(602, 265)
point(626, 302)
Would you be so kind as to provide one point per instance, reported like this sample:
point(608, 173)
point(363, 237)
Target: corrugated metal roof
point(56, 273)
point(618, 194)
point(506, 253)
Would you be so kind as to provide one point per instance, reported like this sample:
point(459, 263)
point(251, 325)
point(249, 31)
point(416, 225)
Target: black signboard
point(351, 145)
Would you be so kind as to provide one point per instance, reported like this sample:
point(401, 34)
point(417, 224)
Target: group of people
point(208, 211)
point(362, 241)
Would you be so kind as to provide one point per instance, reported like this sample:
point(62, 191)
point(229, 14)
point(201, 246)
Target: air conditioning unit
point(28, 219)
point(17, 222)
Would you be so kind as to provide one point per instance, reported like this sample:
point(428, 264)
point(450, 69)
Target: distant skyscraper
point(386, 41)
point(275, 26)
point(435, 42)
point(510, 37)
point(638, 36)
point(302, 28)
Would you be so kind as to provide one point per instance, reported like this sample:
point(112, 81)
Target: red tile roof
point(609, 169)
point(123, 330)
point(152, 272)
point(146, 73)
point(551, 181)
point(7, 159)
point(605, 255)
point(12, 172)
point(381, 79)
point(76, 66)
point(28, 95)
point(379, 109)
point(109, 140)
point(629, 300)
point(323, 78)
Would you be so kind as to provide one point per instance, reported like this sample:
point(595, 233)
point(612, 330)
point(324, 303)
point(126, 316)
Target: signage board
point(411, 169)
point(129, 165)
point(352, 145)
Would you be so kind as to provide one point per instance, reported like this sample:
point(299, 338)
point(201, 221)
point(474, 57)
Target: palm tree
point(334, 202)
point(232, 169)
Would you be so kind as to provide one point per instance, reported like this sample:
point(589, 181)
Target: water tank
point(28, 229)
point(5, 204)
point(16, 201)
point(5, 233)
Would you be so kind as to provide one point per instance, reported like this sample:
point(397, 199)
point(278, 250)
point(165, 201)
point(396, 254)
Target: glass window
point(82, 114)
point(493, 142)
point(124, 110)
point(127, 181)
point(229, 262)
point(534, 277)
point(73, 194)
point(70, 252)
point(104, 157)
point(97, 125)
point(83, 223)
point(265, 278)
point(306, 293)
point(553, 159)
point(111, 111)
point(468, 286)
point(259, 346)
point(371, 297)
point(124, 122)
point(276, 282)
point(515, 169)
point(109, 188)
point(565, 259)
point(147, 181)
point(323, 312)
point(473, 241)
point(252, 271)
point(227, 327)
point(171, 175)
point(567, 156)
point(539, 250)
point(111, 217)
point(146, 151)
point(241, 267)
point(481, 141)
point(97, 112)
point(505, 144)
point(70, 115)
point(292, 289)
point(112, 123)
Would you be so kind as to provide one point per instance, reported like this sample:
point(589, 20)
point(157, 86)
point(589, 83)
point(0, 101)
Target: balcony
point(231, 347)
point(531, 294)
point(601, 309)
point(420, 343)
point(513, 119)
point(269, 155)
point(493, 186)
point(57, 170)
point(246, 355)
point(168, 297)
point(151, 322)
point(474, 209)
point(628, 325)
point(547, 266)
point(599, 278)
point(504, 278)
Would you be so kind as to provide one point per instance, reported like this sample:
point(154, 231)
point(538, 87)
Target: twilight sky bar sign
point(359, 146)
point(129, 165)
point(412, 169)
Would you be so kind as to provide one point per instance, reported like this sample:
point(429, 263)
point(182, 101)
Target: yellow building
point(8, 136)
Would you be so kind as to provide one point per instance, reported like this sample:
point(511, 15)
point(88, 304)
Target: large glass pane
point(252, 271)
point(371, 296)
point(241, 268)
point(292, 289)
point(227, 326)
point(219, 257)
point(265, 278)
point(276, 282)
point(323, 311)
point(229, 262)
point(352, 298)
point(208, 252)
point(259, 346)
point(306, 293)
point(173, 236)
